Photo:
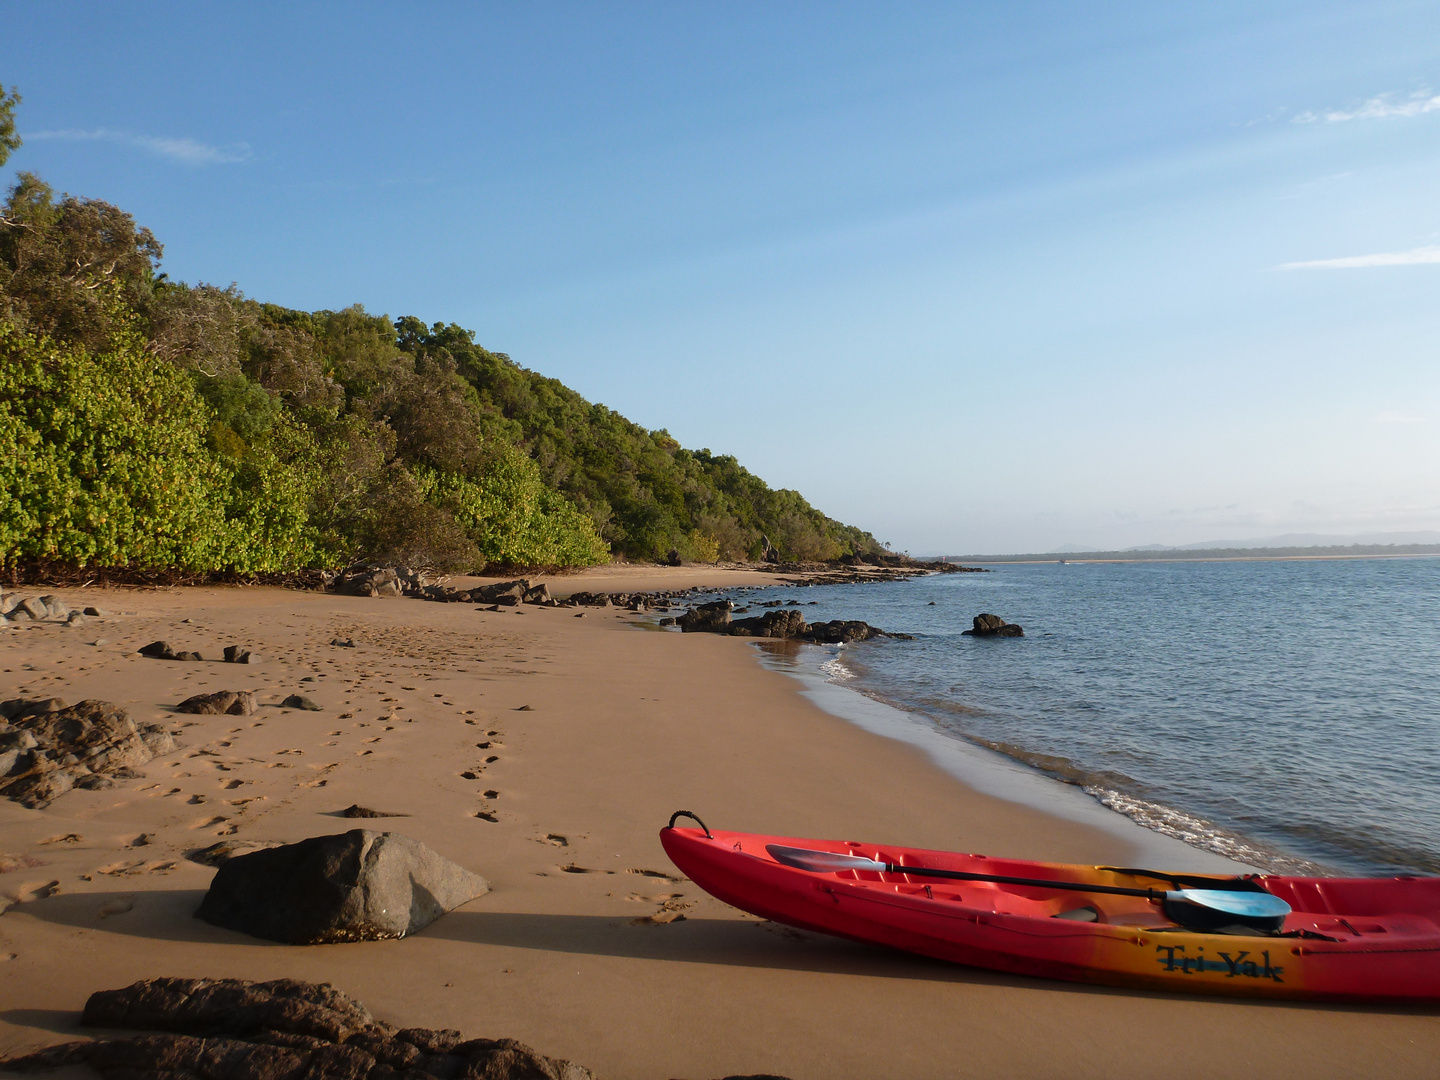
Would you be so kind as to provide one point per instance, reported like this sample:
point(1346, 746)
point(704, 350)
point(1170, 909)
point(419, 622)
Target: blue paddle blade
point(1247, 905)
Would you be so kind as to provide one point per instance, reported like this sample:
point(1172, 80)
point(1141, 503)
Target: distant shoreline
point(1357, 551)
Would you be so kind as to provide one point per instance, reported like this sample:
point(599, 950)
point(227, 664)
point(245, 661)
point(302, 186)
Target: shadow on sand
point(169, 916)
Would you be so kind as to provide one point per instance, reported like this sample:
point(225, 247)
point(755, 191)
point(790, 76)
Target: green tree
point(9, 140)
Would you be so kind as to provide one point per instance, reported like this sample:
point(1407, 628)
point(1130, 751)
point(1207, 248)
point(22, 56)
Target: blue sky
point(977, 277)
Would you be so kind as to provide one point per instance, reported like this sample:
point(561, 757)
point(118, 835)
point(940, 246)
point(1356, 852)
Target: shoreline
point(624, 726)
point(994, 773)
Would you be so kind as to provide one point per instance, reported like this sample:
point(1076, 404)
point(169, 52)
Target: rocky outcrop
point(353, 886)
point(842, 630)
point(712, 618)
point(47, 747)
point(993, 626)
point(370, 580)
point(232, 1029)
point(773, 624)
point(220, 703)
point(787, 623)
point(50, 609)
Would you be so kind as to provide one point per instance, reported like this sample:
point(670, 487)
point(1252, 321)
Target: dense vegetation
point(149, 423)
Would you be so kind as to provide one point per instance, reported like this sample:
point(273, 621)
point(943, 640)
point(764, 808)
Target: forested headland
point(153, 425)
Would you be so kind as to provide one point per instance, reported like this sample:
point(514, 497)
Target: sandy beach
point(584, 734)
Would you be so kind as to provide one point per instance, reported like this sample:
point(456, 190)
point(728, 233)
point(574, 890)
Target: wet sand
point(577, 950)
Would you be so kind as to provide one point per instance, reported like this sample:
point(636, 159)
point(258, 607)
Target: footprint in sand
point(573, 869)
point(231, 785)
point(205, 823)
point(118, 906)
point(660, 918)
point(485, 815)
point(469, 774)
point(64, 838)
point(656, 874)
point(492, 794)
point(115, 869)
point(373, 738)
point(30, 890)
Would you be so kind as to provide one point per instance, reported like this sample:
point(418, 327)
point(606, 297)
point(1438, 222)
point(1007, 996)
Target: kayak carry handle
point(686, 813)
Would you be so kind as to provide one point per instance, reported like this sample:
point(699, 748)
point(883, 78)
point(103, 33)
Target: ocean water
point(1283, 713)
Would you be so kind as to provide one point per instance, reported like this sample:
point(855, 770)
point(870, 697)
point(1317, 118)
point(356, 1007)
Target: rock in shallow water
point(992, 626)
point(353, 886)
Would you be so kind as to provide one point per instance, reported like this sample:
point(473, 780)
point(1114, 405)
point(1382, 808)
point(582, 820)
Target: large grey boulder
point(353, 886)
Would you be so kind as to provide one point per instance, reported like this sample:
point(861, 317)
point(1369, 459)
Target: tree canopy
point(152, 423)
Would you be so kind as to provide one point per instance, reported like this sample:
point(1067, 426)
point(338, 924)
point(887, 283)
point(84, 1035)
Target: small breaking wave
point(1199, 832)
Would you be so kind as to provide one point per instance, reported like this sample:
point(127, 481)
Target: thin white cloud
point(189, 151)
point(1378, 107)
point(1414, 257)
point(1396, 418)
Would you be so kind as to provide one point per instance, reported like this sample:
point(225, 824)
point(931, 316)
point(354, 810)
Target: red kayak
point(1342, 939)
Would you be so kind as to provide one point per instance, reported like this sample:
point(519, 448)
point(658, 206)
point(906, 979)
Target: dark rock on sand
point(300, 701)
point(160, 650)
point(232, 1029)
point(220, 703)
point(353, 886)
point(993, 626)
point(51, 747)
point(355, 810)
point(343, 643)
point(237, 654)
point(707, 618)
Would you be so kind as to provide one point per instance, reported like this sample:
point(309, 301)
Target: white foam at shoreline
point(998, 776)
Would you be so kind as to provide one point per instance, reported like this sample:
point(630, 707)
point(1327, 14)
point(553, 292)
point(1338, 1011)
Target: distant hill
point(1193, 554)
point(146, 423)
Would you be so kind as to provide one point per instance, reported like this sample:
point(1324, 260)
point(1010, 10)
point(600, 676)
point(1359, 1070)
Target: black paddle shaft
point(1074, 886)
